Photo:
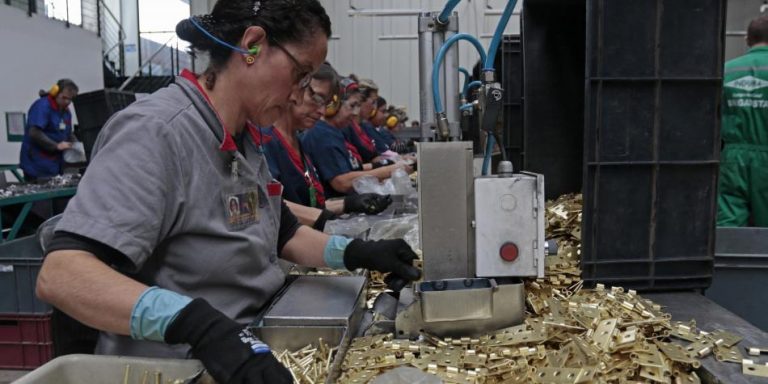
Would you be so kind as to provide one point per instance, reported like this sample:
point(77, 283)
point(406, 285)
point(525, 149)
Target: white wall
point(365, 46)
point(37, 51)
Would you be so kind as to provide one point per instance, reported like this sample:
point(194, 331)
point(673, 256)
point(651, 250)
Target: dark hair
point(285, 21)
point(757, 32)
point(367, 92)
point(327, 73)
point(63, 84)
point(380, 102)
point(348, 87)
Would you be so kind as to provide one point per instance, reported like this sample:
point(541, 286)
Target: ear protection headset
point(392, 121)
point(254, 50)
point(345, 86)
point(55, 89)
point(373, 112)
point(333, 107)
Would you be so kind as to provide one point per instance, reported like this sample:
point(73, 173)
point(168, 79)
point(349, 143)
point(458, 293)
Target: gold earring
point(249, 60)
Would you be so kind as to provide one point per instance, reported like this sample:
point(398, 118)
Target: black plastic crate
point(651, 142)
point(512, 83)
point(20, 262)
point(94, 109)
point(741, 269)
point(553, 34)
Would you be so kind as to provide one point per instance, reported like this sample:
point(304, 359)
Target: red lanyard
point(303, 165)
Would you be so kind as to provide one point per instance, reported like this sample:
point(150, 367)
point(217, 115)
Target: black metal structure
point(621, 102)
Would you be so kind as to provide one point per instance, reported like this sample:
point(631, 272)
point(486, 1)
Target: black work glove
point(394, 256)
point(325, 215)
point(368, 203)
point(230, 352)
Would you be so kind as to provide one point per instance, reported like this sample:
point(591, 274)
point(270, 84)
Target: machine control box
point(509, 225)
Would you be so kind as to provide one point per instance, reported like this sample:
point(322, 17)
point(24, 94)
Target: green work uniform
point(743, 187)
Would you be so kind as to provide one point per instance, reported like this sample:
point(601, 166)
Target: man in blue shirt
point(48, 132)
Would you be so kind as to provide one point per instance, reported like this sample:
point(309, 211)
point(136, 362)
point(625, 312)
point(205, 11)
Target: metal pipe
point(427, 113)
point(451, 79)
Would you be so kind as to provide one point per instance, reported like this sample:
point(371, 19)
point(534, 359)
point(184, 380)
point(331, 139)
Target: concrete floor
point(8, 376)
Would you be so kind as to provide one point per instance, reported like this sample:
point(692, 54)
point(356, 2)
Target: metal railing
point(165, 61)
point(112, 40)
point(85, 16)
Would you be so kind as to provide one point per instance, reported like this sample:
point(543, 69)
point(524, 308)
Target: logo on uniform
point(353, 160)
point(747, 83)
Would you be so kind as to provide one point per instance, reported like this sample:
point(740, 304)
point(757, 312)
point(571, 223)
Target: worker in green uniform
point(743, 192)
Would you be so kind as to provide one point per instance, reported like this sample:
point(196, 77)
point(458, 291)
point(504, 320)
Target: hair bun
point(187, 31)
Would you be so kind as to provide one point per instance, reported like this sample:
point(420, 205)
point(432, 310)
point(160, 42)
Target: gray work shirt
point(156, 191)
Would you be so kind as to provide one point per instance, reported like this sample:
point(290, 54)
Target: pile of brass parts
point(156, 377)
point(309, 365)
point(376, 286)
point(572, 336)
point(563, 224)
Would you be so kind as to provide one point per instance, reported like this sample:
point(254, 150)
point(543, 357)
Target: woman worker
point(359, 131)
point(48, 132)
point(378, 122)
point(337, 160)
point(155, 258)
point(292, 167)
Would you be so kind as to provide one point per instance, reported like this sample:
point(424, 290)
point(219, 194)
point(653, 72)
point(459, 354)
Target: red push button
point(508, 252)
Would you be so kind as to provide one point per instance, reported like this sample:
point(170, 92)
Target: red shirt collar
point(256, 135)
point(299, 165)
point(364, 139)
point(228, 144)
point(54, 104)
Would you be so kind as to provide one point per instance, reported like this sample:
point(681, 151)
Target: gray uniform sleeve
point(129, 196)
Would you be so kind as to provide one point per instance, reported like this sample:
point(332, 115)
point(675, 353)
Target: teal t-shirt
point(745, 98)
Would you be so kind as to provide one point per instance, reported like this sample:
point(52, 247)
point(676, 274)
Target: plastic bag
point(355, 227)
point(76, 154)
point(402, 183)
point(402, 227)
point(371, 184)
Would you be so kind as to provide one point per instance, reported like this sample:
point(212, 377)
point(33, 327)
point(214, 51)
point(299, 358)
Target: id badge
point(241, 206)
point(62, 125)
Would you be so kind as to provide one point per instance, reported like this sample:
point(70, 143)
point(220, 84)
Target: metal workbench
point(709, 316)
point(27, 200)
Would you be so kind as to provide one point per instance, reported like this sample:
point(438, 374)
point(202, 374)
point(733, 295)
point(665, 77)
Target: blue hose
point(466, 107)
point(489, 143)
point(469, 87)
point(467, 78)
point(499, 34)
point(439, 59)
point(447, 10)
